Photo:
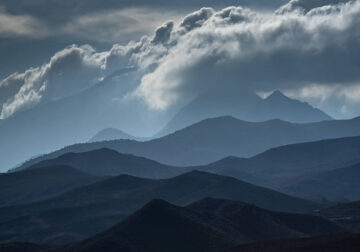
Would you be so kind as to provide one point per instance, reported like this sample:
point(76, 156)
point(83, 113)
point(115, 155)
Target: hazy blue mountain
point(107, 162)
point(336, 185)
point(199, 228)
point(110, 134)
point(217, 138)
point(290, 162)
point(346, 214)
point(73, 119)
point(211, 105)
point(245, 106)
point(88, 210)
point(333, 243)
point(277, 105)
point(40, 183)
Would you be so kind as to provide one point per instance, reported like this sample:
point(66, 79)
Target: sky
point(309, 49)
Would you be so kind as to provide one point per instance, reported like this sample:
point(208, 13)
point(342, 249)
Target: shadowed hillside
point(88, 210)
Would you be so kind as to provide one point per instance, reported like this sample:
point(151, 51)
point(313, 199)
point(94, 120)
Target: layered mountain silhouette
point(207, 225)
point(107, 162)
point(333, 243)
point(336, 185)
point(73, 119)
point(40, 183)
point(245, 106)
point(110, 134)
point(88, 210)
point(217, 138)
point(290, 163)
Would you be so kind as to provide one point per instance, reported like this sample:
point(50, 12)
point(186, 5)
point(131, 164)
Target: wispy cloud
point(20, 25)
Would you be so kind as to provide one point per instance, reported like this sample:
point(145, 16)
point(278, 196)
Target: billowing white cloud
point(238, 48)
point(69, 71)
point(234, 48)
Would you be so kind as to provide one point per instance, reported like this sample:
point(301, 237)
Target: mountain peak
point(277, 94)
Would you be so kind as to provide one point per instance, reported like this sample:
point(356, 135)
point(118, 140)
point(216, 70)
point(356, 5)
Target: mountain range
point(107, 162)
point(217, 138)
point(207, 225)
point(91, 209)
point(338, 185)
point(308, 170)
point(80, 117)
point(41, 183)
point(246, 106)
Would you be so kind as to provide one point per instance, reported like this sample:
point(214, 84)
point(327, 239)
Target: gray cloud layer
point(299, 47)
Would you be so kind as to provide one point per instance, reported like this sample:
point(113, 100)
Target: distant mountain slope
point(276, 166)
point(279, 106)
point(92, 209)
point(211, 105)
point(40, 183)
point(110, 134)
point(346, 214)
point(74, 119)
point(161, 227)
point(245, 106)
point(340, 184)
point(333, 243)
point(213, 139)
point(107, 162)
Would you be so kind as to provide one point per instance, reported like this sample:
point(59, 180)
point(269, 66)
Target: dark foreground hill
point(206, 226)
point(346, 214)
point(333, 243)
point(209, 225)
point(41, 183)
point(86, 211)
point(213, 139)
point(107, 162)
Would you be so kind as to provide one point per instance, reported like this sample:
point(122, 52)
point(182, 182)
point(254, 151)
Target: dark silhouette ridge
point(333, 243)
point(107, 162)
point(38, 184)
point(209, 225)
point(88, 210)
point(336, 185)
point(284, 166)
point(345, 214)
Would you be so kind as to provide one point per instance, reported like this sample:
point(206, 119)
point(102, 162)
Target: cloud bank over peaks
point(302, 43)
point(236, 48)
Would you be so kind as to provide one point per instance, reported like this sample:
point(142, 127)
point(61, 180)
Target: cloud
point(20, 25)
point(68, 71)
point(232, 49)
point(236, 48)
point(117, 25)
point(305, 6)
